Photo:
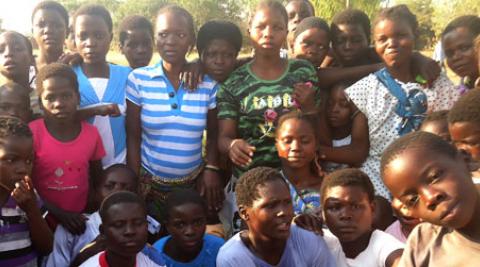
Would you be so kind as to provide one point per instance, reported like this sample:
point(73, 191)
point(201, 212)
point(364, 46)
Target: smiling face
point(394, 42)
point(92, 38)
point(138, 48)
point(125, 229)
point(268, 31)
point(348, 212)
point(49, 30)
point(59, 99)
point(219, 59)
point(15, 58)
point(312, 45)
point(173, 37)
point(296, 143)
point(16, 158)
point(350, 43)
point(460, 53)
point(270, 215)
point(434, 187)
point(186, 224)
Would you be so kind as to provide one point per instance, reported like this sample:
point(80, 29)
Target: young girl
point(15, 60)
point(218, 45)
point(297, 146)
point(311, 41)
point(49, 29)
point(432, 181)
point(165, 120)
point(391, 99)
point(67, 151)
point(349, 130)
point(102, 85)
point(136, 40)
point(457, 42)
point(254, 95)
point(186, 221)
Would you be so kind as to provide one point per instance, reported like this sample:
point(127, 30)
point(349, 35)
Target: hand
point(425, 67)
point(304, 95)
point(241, 152)
point(192, 75)
point(109, 110)
point(309, 222)
point(73, 222)
point(24, 195)
point(70, 58)
point(210, 187)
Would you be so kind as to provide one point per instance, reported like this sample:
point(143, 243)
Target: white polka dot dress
point(375, 101)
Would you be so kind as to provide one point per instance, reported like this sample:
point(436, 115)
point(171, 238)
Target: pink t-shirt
point(395, 229)
point(61, 169)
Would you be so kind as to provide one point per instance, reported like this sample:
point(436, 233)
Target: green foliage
point(446, 10)
point(327, 9)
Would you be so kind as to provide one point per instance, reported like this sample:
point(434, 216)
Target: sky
point(16, 15)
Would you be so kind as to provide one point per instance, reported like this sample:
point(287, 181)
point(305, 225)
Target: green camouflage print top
point(257, 104)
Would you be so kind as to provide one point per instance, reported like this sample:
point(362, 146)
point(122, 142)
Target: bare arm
point(355, 153)
point(101, 110)
point(330, 76)
point(133, 136)
point(238, 150)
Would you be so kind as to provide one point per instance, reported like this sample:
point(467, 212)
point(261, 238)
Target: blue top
point(206, 257)
point(303, 248)
point(172, 121)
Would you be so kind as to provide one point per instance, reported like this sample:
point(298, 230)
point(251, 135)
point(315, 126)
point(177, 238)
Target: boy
point(436, 123)
point(348, 208)
point(432, 181)
point(265, 205)
point(23, 232)
point(124, 227)
point(116, 178)
point(15, 102)
point(136, 40)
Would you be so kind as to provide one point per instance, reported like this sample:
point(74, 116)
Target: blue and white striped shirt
point(172, 121)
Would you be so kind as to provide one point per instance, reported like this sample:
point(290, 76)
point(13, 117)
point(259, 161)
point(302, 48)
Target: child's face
point(14, 104)
point(466, 136)
point(312, 45)
point(173, 37)
point(92, 38)
point(186, 224)
point(16, 157)
point(394, 42)
point(338, 108)
point(268, 31)
point(348, 212)
point(297, 11)
point(125, 228)
point(115, 181)
point(438, 127)
point(59, 100)
point(459, 52)
point(350, 43)
point(138, 48)
point(219, 59)
point(49, 30)
point(271, 214)
point(15, 59)
point(433, 187)
point(296, 143)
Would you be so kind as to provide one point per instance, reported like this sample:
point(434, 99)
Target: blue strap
point(411, 108)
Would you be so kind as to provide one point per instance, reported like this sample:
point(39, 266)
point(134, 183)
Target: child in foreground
point(66, 245)
point(265, 205)
point(348, 208)
point(432, 181)
point(186, 221)
point(24, 234)
point(124, 227)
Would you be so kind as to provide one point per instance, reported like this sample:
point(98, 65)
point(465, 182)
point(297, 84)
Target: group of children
point(310, 142)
